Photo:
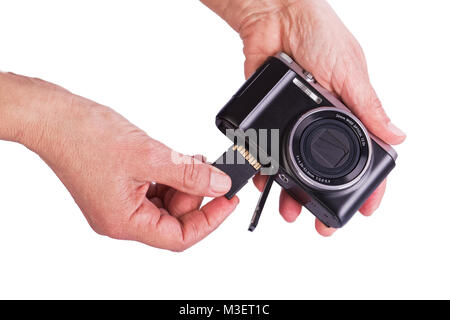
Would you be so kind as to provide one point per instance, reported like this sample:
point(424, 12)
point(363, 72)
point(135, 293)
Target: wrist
point(20, 107)
point(32, 111)
point(238, 13)
point(235, 11)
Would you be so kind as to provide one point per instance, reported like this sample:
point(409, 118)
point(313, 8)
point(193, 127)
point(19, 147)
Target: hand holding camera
point(314, 36)
point(317, 150)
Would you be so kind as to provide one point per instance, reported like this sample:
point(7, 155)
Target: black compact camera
point(326, 160)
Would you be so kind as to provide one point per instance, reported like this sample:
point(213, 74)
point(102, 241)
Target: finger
point(323, 230)
point(200, 157)
point(257, 48)
point(168, 197)
point(181, 203)
point(260, 181)
point(252, 63)
point(158, 229)
point(151, 192)
point(200, 223)
point(185, 173)
point(157, 202)
point(161, 190)
point(372, 204)
point(289, 208)
point(359, 95)
point(152, 226)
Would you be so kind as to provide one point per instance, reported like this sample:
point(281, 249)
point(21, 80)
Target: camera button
point(309, 77)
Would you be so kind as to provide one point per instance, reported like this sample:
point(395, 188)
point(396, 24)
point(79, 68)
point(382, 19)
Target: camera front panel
point(269, 99)
point(345, 168)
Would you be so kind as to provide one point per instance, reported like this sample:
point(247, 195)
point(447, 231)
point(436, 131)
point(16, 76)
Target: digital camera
point(327, 160)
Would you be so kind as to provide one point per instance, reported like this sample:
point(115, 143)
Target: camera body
point(327, 159)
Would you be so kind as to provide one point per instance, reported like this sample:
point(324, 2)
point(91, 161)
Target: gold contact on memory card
point(247, 156)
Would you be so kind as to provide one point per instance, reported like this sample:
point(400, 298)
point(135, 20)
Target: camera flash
point(307, 91)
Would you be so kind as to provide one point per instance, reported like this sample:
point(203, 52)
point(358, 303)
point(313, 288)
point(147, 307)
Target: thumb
point(359, 95)
point(185, 173)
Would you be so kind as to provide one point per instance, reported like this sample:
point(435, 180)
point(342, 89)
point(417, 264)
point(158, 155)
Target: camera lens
point(329, 148)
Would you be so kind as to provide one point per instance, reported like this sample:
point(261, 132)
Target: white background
point(168, 66)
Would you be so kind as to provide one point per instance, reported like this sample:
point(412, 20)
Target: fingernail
point(219, 182)
point(395, 130)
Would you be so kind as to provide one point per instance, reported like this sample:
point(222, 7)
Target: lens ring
point(329, 149)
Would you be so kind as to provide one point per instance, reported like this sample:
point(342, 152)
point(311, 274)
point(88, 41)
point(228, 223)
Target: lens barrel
point(329, 149)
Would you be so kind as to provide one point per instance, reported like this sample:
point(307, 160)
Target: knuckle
point(375, 102)
point(179, 248)
point(110, 229)
point(194, 234)
point(357, 51)
point(183, 241)
point(115, 232)
point(99, 230)
point(179, 245)
point(191, 174)
point(378, 110)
